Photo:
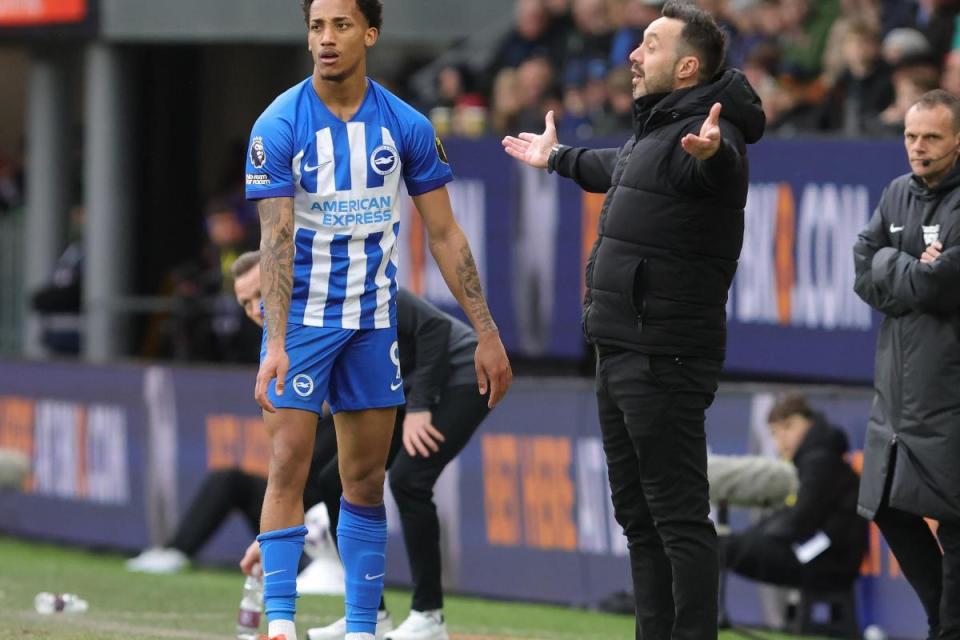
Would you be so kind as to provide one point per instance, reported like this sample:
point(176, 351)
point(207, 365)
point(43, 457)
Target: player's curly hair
point(372, 10)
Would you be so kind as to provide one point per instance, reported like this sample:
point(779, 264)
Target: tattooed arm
point(276, 276)
point(452, 252)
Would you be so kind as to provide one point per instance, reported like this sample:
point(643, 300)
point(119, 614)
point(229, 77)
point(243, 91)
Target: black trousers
point(457, 416)
point(221, 493)
point(652, 415)
point(758, 556)
point(761, 558)
point(227, 490)
point(935, 576)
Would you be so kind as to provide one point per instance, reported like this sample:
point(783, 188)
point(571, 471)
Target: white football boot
point(159, 560)
point(421, 625)
point(338, 630)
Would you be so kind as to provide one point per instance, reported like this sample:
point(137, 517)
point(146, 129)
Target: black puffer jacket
point(671, 227)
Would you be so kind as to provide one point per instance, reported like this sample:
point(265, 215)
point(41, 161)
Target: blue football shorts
point(352, 369)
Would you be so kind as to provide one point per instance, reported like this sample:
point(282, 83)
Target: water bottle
point(46, 603)
point(251, 606)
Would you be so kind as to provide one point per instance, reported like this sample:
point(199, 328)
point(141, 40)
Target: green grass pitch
point(202, 604)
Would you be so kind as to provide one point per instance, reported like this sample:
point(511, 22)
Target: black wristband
point(552, 158)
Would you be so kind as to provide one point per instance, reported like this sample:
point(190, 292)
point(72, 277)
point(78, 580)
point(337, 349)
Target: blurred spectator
point(869, 11)
point(633, 17)
point(898, 13)
point(557, 9)
point(584, 97)
point(460, 110)
point(937, 20)
point(534, 82)
point(864, 89)
point(950, 80)
point(818, 65)
point(904, 43)
point(59, 302)
point(208, 325)
point(455, 86)
point(528, 37)
point(760, 67)
point(595, 91)
point(505, 101)
point(561, 25)
point(576, 114)
point(618, 115)
point(818, 541)
point(748, 24)
point(805, 28)
point(594, 32)
point(912, 77)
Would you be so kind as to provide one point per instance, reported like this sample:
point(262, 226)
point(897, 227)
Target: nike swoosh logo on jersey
point(395, 386)
point(894, 229)
point(310, 169)
point(370, 577)
point(274, 572)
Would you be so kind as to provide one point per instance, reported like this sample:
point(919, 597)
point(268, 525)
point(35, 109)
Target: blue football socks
point(362, 541)
point(280, 553)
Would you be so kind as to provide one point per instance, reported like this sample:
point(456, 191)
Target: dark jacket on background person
point(436, 351)
point(671, 227)
point(826, 501)
point(60, 301)
point(855, 102)
point(915, 420)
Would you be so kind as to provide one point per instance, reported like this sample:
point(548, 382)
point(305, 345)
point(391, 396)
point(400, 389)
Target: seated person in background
point(222, 492)
point(226, 490)
point(818, 541)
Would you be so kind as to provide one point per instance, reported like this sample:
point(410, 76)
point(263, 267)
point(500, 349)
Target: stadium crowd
point(837, 67)
point(822, 67)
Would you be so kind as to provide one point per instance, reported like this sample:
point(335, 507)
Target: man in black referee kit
point(670, 234)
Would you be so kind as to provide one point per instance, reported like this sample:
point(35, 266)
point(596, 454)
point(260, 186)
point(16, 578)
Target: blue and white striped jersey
point(344, 178)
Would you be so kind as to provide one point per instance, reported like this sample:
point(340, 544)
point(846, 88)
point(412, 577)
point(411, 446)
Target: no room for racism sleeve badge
point(441, 152)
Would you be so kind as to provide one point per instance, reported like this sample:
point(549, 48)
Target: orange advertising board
point(34, 13)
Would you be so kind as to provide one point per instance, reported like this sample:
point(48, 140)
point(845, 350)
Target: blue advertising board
point(118, 452)
point(792, 310)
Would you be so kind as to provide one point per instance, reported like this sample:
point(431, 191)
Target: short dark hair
point(372, 10)
point(937, 97)
point(793, 403)
point(244, 263)
point(701, 35)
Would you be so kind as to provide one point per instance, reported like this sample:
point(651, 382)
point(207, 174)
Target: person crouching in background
point(818, 540)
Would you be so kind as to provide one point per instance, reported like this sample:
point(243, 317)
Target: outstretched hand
point(703, 146)
point(531, 148)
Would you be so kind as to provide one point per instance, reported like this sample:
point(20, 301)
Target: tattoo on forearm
point(276, 262)
point(470, 281)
